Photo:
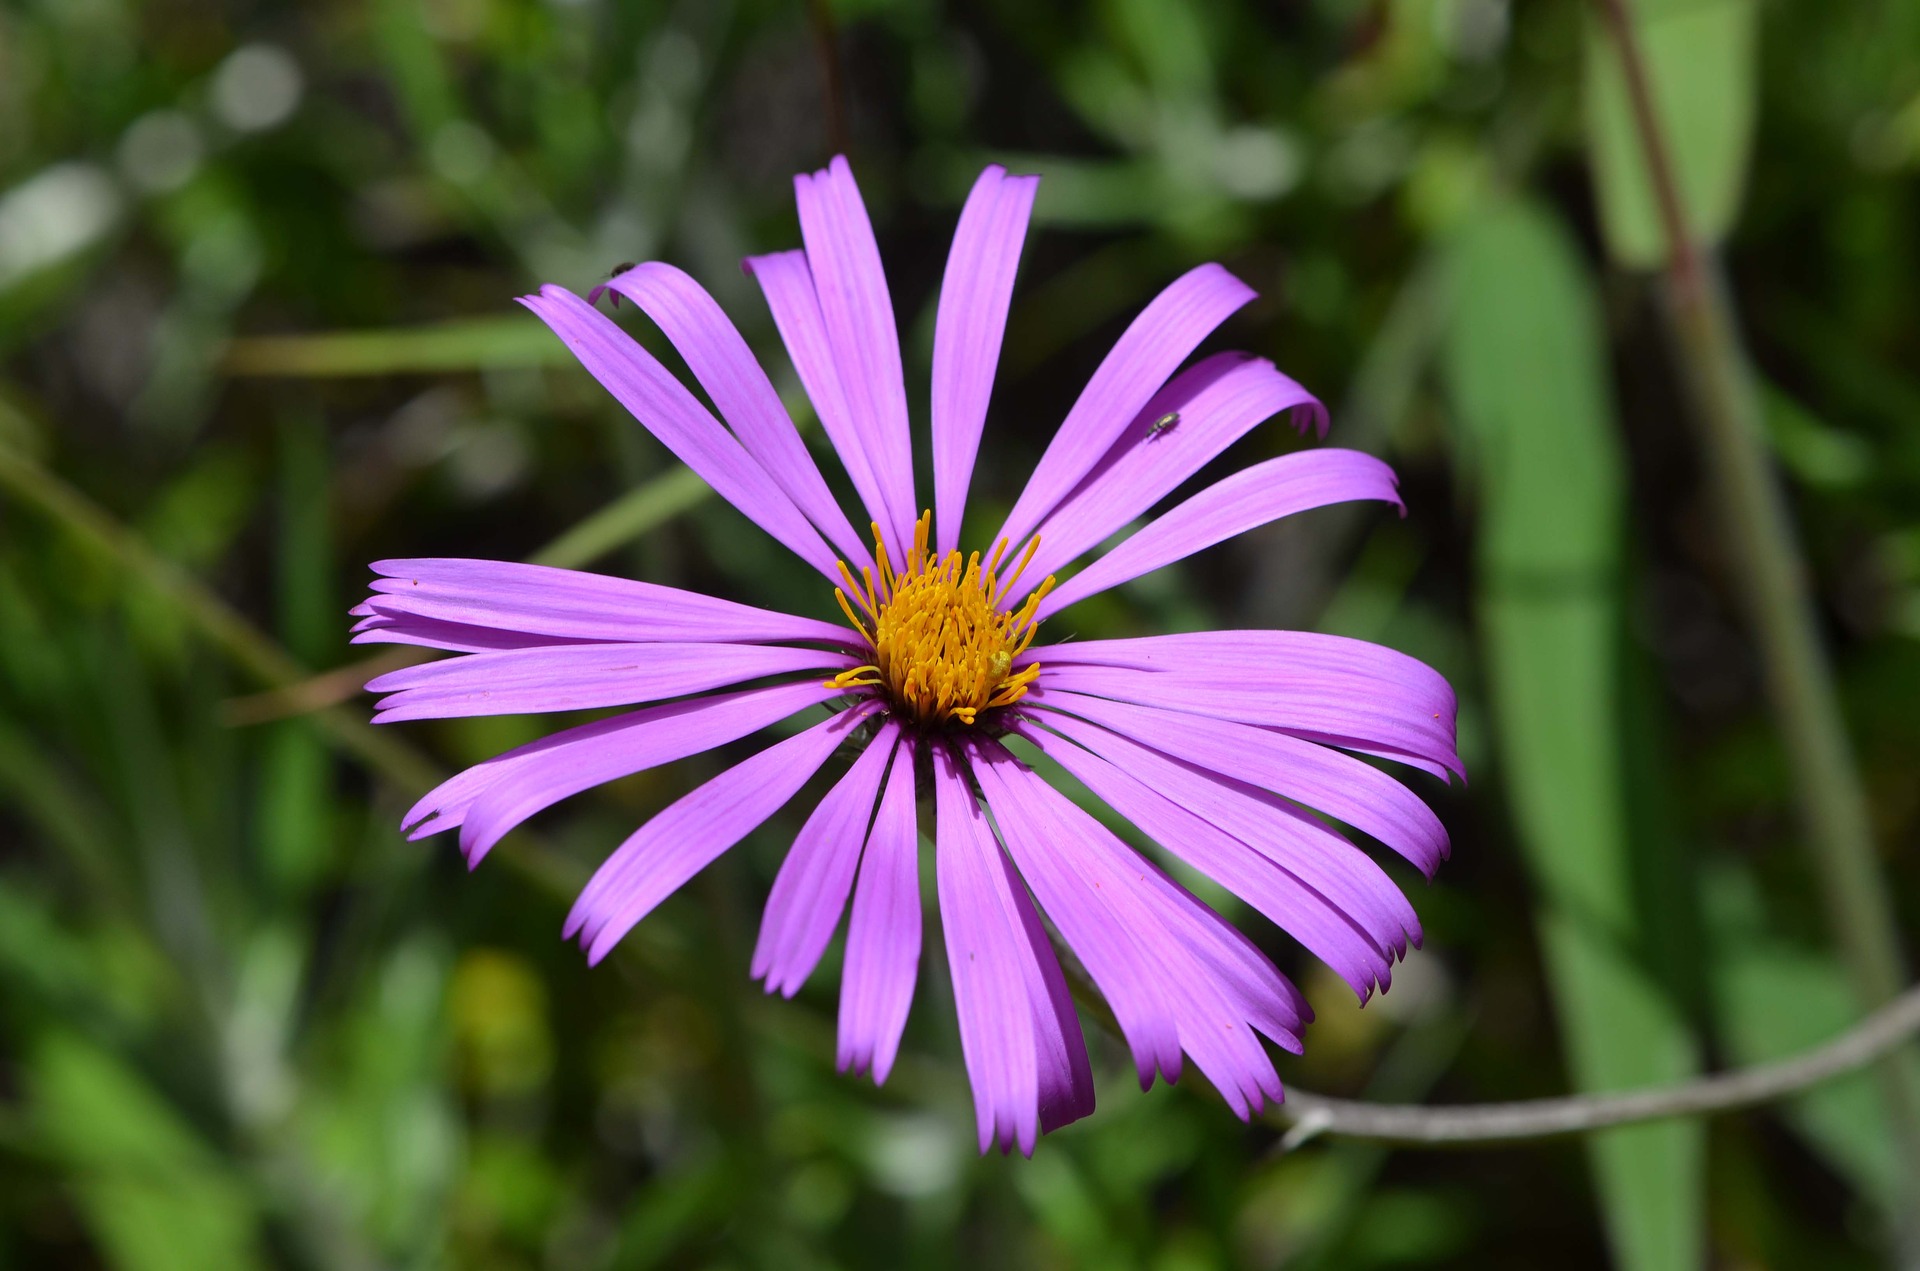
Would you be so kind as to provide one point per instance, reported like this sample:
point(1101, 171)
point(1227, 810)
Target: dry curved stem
point(1310, 1115)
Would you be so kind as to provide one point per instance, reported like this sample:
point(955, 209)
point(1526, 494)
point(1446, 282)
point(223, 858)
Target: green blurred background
point(256, 270)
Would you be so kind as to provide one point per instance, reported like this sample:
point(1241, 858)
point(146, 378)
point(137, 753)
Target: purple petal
point(786, 280)
point(967, 333)
point(1331, 689)
point(852, 289)
point(577, 605)
point(883, 936)
point(1338, 785)
point(1064, 1074)
point(1302, 846)
point(664, 406)
point(540, 775)
point(1327, 931)
point(1104, 922)
point(455, 637)
point(1149, 945)
point(582, 677)
point(690, 833)
point(1017, 1031)
point(1253, 496)
point(727, 369)
point(810, 892)
point(989, 982)
point(1150, 350)
point(1216, 403)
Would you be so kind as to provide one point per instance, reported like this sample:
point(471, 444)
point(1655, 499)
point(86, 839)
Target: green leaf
point(1824, 457)
point(1702, 73)
point(155, 1195)
point(1776, 998)
point(1525, 361)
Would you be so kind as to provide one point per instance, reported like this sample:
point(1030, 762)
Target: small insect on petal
point(615, 272)
point(1165, 424)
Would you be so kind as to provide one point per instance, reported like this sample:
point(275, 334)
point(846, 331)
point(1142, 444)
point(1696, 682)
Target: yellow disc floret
point(943, 648)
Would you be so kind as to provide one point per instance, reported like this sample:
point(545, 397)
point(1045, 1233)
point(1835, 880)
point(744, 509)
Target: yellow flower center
point(943, 648)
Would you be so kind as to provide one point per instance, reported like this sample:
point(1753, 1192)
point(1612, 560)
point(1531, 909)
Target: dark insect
point(1164, 424)
point(613, 273)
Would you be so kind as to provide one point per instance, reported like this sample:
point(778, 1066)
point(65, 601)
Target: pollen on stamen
point(942, 648)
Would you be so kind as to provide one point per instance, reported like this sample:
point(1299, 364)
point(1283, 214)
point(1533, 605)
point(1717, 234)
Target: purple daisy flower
point(1213, 744)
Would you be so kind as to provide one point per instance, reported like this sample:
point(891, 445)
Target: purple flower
point(1213, 744)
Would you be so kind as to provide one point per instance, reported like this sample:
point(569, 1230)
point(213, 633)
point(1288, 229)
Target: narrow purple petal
point(578, 605)
point(720, 359)
point(883, 935)
point(582, 677)
point(1026, 1058)
point(858, 311)
point(1063, 1073)
point(664, 406)
point(1330, 689)
point(967, 334)
point(985, 958)
point(1327, 931)
point(1253, 496)
point(455, 637)
point(690, 833)
point(1339, 785)
point(1155, 948)
point(1150, 350)
point(786, 280)
point(810, 892)
point(1214, 404)
point(594, 754)
point(1103, 921)
point(1302, 846)
point(1244, 975)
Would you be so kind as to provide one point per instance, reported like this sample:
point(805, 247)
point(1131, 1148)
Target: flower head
point(943, 644)
point(1214, 745)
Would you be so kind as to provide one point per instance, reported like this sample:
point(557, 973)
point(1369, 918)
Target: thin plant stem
point(1772, 576)
point(1491, 1124)
point(641, 509)
point(826, 39)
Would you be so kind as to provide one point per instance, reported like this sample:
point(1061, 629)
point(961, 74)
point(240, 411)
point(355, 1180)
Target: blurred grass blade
point(155, 1195)
point(467, 345)
point(626, 518)
point(37, 788)
point(93, 529)
point(1524, 362)
point(1775, 998)
point(295, 769)
point(1702, 58)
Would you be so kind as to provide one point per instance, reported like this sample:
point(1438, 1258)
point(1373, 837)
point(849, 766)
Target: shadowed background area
point(257, 264)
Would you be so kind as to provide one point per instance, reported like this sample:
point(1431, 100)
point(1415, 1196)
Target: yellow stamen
point(943, 649)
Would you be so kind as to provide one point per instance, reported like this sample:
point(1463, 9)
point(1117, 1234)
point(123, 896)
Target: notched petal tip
point(1310, 415)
